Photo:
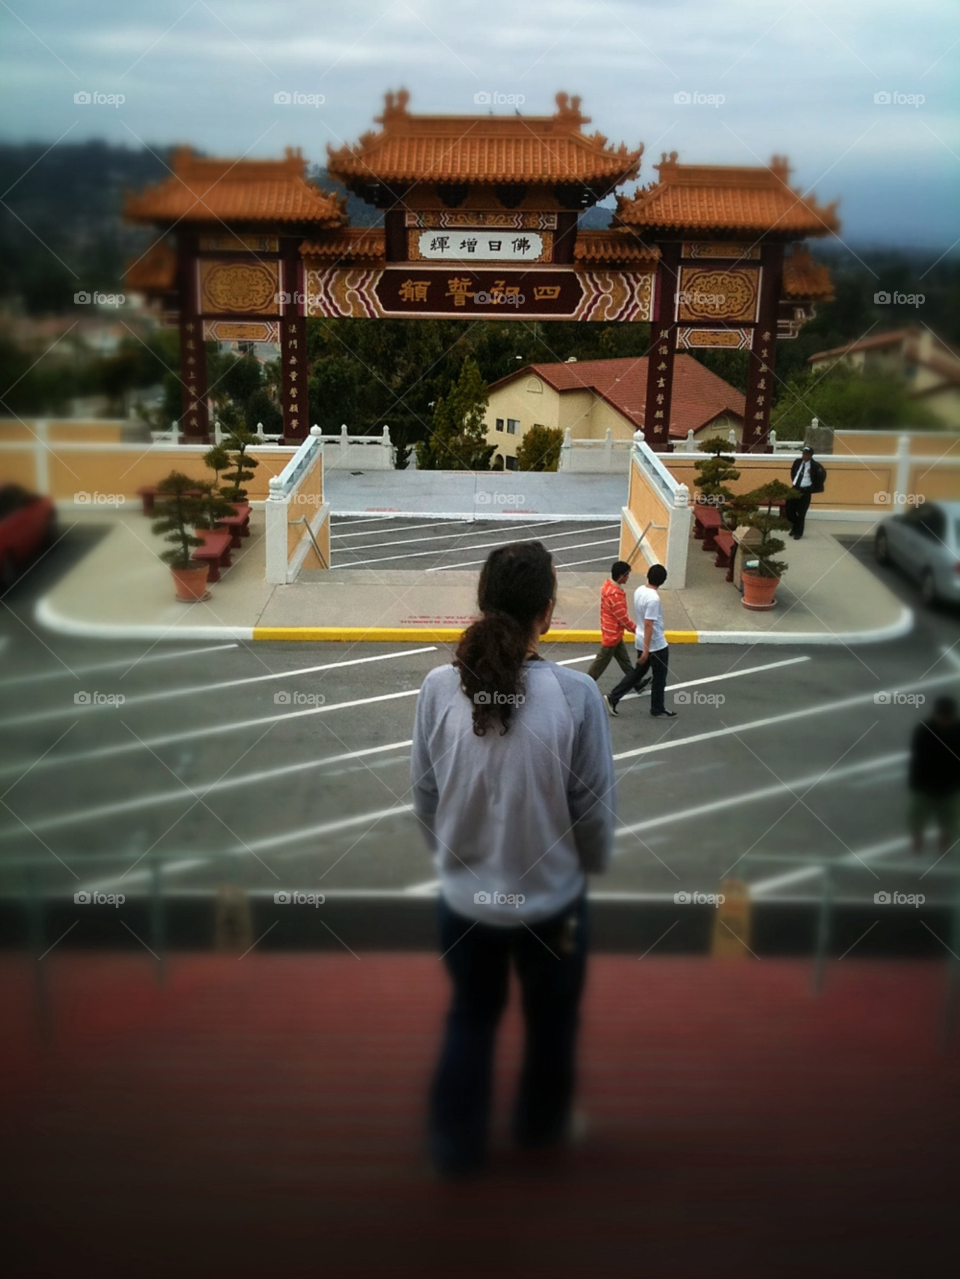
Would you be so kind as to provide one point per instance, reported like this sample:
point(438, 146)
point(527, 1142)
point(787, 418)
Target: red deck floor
point(264, 1117)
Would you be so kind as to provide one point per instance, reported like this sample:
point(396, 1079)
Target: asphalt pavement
point(280, 766)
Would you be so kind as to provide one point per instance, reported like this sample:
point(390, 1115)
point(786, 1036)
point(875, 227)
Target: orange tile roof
point(351, 244)
point(698, 395)
point(705, 197)
point(155, 271)
point(483, 148)
point(612, 248)
point(804, 278)
point(216, 191)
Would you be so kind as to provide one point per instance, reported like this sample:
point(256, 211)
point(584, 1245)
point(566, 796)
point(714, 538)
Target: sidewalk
point(120, 590)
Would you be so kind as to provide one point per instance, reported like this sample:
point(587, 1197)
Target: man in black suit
point(808, 477)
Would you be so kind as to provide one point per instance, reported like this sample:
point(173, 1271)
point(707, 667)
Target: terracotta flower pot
point(759, 592)
point(191, 583)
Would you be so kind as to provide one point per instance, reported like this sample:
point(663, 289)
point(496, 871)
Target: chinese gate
point(480, 221)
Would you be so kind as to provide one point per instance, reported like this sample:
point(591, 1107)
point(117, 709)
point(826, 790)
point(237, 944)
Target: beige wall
point(586, 415)
point(121, 469)
point(646, 506)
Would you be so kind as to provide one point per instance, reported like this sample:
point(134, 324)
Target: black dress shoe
point(664, 714)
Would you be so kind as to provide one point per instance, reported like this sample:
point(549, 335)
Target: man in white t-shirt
point(653, 654)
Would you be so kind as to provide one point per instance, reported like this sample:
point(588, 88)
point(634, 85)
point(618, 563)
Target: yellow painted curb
point(416, 634)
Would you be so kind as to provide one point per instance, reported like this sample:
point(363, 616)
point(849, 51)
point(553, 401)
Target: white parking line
point(857, 855)
point(194, 689)
point(404, 528)
point(260, 845)
point(597, 559)
point(762, 793)
point(202, 789)
point(130, 662)
point(604, 541)
point(824, 708)
point(412, 555)
point(211, 730)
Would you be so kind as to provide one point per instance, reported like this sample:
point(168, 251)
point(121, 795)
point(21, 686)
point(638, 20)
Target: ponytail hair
point(517, 584)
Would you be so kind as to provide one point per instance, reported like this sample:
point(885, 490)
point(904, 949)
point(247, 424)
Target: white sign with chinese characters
point(481, 244)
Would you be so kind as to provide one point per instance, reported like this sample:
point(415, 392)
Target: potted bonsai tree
point(756, 511)
point(218, 459)
point(236, 442)
point(180, 509)
point(713, 473)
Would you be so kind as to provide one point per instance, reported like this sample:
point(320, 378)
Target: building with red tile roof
point(593, 396)
point(929, 366)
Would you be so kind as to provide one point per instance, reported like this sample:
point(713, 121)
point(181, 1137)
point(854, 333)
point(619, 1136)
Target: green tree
point(261, 410)
point(755, 510)
point(540, 449)
point(713, 473)
point(458, 439)
point(237, 441)
point(844, 398)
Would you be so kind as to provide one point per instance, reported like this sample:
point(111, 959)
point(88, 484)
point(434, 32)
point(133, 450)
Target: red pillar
point(761, 381)
point(195, 418)
point(293, 345)
point(663, 347)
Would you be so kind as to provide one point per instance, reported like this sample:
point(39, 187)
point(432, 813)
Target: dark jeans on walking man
point(795, 509)
point(550, 960)
point(657, 664)
point(605, 653)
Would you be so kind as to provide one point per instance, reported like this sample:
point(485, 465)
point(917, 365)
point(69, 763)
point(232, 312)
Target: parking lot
point(279, 766)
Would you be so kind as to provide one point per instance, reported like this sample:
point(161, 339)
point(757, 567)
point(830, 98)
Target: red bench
point(707, 521)
point(215, 551)
point(726, 551)
point(238, 524)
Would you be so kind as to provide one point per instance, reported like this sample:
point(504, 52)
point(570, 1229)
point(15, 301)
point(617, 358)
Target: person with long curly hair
point(513, 783)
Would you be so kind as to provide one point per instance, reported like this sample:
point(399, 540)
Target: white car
point(926, 543)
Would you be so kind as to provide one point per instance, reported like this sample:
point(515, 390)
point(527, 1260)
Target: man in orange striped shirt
point(614, 620)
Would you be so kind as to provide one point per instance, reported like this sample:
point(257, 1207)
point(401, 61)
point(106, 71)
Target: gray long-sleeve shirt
point(522, 815)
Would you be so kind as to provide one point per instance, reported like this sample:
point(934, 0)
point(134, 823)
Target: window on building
point(513, 425)
point(511, 464)
point(499, 423)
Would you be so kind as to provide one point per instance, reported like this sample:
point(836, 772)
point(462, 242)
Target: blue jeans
point(550, 959)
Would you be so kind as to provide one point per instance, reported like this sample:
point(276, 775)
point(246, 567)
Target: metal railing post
point(823, 927)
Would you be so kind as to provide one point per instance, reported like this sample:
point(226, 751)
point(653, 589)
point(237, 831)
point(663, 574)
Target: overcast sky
point(797, 77)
